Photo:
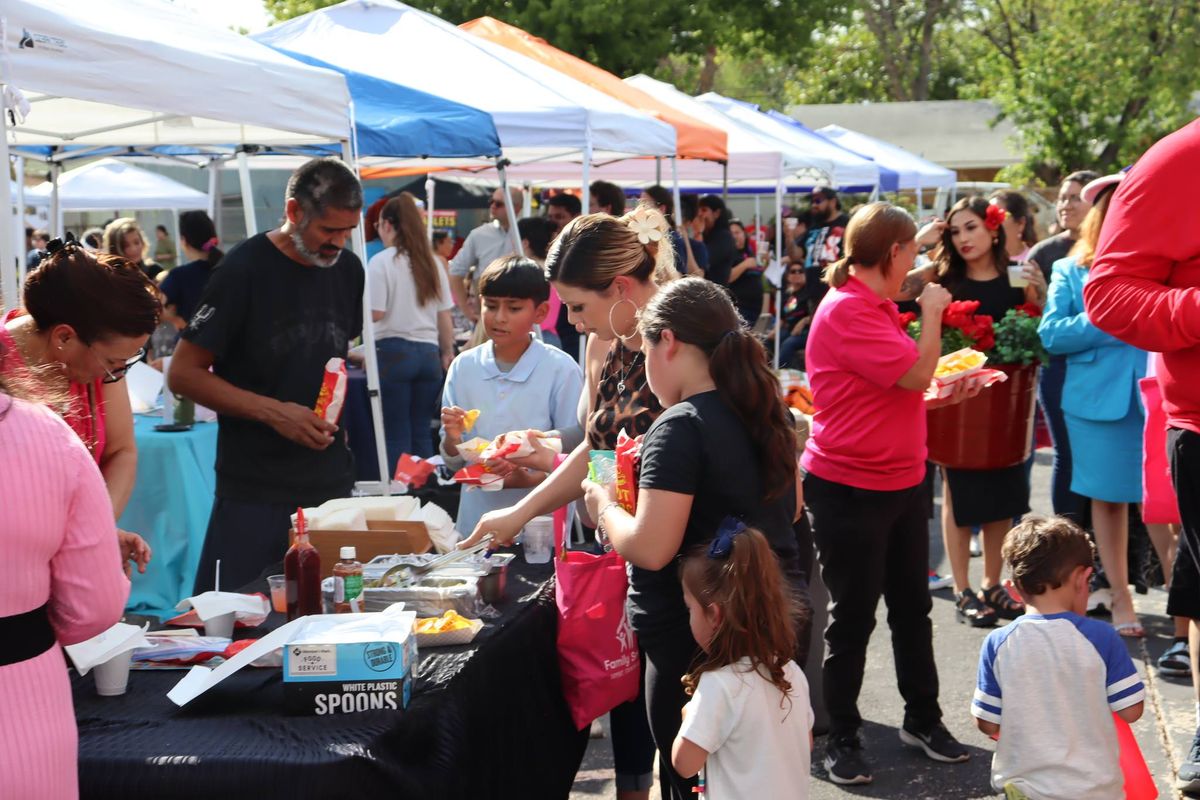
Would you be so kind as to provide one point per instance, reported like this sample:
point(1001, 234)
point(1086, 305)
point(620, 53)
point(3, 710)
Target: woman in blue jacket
point(1101, 404)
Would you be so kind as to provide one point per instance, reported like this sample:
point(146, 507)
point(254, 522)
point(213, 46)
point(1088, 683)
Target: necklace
point(628, 369)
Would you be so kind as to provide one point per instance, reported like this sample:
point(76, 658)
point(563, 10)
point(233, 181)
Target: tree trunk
point(708, 74)
point(934, 10)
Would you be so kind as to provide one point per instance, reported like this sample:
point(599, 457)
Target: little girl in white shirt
point(749, 722)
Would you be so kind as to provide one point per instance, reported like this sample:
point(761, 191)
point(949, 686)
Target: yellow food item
point(450, 621)
point(959, 362)
point(469, 419)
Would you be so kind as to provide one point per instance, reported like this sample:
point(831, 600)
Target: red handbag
point(597, 650)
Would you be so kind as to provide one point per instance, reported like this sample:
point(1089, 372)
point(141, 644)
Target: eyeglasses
point(112, 376)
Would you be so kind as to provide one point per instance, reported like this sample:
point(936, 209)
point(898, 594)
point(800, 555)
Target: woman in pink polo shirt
point(865, 466)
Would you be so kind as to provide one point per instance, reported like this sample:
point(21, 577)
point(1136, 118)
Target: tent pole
point(513, 233)
point(779, 260)
point(678, 205)
point(9, 290)
point(527, 201)
point(372, 358)
point(757, 216)
point(214, 193)
point(56, 213)
point(19, 169)
point(430, 189)
point(725, 181)
point(247, 194)
point(658, 170)
point(178, 237)
point(585, 196)
point(920, 199)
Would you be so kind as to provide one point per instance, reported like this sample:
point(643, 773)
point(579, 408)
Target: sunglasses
point(112, 376)
point(496, 203)
point(795, 272)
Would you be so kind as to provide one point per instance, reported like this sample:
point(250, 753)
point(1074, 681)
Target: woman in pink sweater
point(61, 582)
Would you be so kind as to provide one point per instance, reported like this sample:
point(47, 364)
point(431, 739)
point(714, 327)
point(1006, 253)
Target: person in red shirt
point(1144, 289)
point(865, 465)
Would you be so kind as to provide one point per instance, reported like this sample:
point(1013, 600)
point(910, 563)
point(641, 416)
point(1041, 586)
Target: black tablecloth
point(486, 720)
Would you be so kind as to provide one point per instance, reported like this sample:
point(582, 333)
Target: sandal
point(970, 610)
point(1130, 630)
point(1000, 601)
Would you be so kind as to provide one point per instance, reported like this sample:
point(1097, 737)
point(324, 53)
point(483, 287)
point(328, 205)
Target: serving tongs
point(410, 573)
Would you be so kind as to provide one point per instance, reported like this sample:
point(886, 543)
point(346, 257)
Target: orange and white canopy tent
point(694, 139)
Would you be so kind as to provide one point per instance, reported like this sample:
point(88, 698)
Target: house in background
point(959, 134)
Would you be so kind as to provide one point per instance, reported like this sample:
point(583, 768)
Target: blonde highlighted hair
point(595, 249)
point(115, 233)
point(1084, 249)
point(872, 231)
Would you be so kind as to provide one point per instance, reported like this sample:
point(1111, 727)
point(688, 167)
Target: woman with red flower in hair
point(972, 263)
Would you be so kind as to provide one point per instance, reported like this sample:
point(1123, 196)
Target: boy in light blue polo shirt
point(515, 381)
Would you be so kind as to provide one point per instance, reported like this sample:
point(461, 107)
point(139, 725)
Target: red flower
point(995, 216)
point(1031, 310)
point(906, 319)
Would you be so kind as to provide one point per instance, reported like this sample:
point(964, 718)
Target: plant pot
point(992, 430)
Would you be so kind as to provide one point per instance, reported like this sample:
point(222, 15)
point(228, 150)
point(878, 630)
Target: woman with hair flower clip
point(749, 722)
point(972, 264)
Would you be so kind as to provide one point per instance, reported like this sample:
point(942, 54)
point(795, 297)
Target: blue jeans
point(410, 381)
point(790, 347)
point(1050, 392)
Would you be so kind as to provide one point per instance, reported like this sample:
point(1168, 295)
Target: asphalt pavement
point(1164, 732)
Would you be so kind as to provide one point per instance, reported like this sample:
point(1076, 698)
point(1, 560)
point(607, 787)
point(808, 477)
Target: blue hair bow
point(722, 546)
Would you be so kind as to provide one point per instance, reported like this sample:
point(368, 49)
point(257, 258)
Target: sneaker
point(1176, 662)
point(844, 761)
point(939, 744)
point(1188, 777)
point(976, 546)
point(971, 610)
point(1099, 595)
point(939, 582)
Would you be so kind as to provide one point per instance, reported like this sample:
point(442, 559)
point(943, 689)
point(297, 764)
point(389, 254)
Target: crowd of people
point(583, 326)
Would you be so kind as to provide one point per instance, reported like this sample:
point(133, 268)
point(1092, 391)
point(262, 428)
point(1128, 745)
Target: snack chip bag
point(469, 419)
point(333, 391)
point(602, 467)
point(628, 456)
point(412, 471)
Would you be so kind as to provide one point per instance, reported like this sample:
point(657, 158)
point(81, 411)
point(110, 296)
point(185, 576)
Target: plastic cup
point(1016, 276)
point(537, 540)
point(278, 593)
point(112, 677)
point(221, 625)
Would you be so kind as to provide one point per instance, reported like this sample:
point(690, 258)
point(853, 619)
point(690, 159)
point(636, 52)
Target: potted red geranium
point(994, 429)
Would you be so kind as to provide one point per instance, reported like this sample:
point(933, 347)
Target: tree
point(1089, 83)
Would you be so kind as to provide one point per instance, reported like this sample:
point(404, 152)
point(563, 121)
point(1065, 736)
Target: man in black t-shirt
point(824, 245)
point(718, 240)
point(281, 305)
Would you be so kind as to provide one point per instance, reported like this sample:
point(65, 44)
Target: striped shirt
point(1052, 683)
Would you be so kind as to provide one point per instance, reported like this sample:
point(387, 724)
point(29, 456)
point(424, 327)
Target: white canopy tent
point(149, 73)
point(540, 113)
point(111, 184)
point(912, 171)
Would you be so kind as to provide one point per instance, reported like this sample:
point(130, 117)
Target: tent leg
point(585, 198)
point(527, 201)
point(658, 170)
point(430, 189)
point(214, 193)
point(8, 247)
point(725, 181)
point(678, 205)
point(19, 200)
point(56, 213)
point(178, 236)
point(372, 358)
point(779, 259)
point(513, 233)
point(248, 195)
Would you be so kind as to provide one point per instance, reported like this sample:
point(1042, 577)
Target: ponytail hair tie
point(727, 334)
point(209, 245)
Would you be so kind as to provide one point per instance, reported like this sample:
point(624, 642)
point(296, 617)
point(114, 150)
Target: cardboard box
point(335, 672)
point(380, 539)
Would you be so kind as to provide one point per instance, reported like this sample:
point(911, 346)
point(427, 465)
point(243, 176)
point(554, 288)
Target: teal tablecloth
point(170, 505)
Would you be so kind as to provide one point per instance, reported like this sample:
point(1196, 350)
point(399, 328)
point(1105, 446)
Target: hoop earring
point(613, 326)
